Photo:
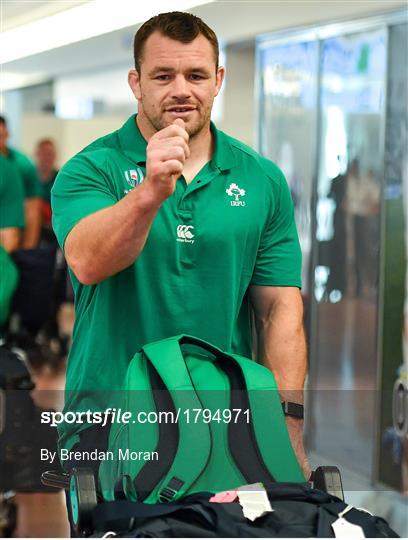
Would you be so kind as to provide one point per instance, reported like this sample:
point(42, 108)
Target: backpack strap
point(253, 388)
point(246, 454)
point(193, 448)
point(168, 437)
point(267, 418)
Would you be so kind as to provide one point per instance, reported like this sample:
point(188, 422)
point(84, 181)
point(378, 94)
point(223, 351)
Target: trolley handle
point(55, 479)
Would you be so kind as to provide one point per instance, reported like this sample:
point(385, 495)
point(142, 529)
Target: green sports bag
point(202, 420)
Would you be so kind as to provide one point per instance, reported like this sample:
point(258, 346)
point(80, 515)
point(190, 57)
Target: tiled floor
point(341, 390)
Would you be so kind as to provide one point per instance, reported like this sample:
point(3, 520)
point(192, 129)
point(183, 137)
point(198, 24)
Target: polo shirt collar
point(133, 145)
point(223, 157)
point(132, 142)
point(10, 153)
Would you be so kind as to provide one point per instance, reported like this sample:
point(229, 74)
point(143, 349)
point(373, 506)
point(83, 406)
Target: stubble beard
point(158, 122)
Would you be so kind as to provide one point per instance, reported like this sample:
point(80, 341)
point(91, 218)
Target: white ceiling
point(17, 12)
point(233, 21)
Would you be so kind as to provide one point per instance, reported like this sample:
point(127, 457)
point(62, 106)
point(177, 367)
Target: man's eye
point(196, 77)
point(162, 77)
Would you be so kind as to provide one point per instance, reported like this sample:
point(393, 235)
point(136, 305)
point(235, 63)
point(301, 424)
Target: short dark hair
point(45, 140)
point(183, 27)
point(3, 121)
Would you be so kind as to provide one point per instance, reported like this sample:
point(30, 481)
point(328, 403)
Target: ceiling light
point(10, 80)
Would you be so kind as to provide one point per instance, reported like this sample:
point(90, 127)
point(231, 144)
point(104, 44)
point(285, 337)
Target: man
point(46, 155)
point(11, 225)
point(30, 504)
point(170, 226)
point(31, 186)
point(11, 205)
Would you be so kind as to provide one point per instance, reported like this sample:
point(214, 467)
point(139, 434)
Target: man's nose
point(180, 88)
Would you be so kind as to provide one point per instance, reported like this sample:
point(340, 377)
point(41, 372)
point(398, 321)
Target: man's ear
point(134, 83)
point(220, 77)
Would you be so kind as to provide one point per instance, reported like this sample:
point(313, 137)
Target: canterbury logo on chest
point(185, 233)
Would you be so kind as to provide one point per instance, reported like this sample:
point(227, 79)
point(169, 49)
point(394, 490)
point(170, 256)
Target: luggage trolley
point(80, 482)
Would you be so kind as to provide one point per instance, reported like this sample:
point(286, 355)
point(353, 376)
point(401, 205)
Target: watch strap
point(293, 409)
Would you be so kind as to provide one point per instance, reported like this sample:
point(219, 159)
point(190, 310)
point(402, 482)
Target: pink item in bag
point(224, 497)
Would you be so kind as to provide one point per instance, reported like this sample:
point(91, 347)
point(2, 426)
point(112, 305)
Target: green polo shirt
point(11, 195)
point(31, 180)
point(231, 227)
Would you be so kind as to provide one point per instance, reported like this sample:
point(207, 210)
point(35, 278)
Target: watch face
point(293, 409)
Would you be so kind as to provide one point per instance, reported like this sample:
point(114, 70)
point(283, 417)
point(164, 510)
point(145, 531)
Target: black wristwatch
point(293, 409)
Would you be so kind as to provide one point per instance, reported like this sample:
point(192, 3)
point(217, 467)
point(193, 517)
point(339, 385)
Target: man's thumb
point(179, 122)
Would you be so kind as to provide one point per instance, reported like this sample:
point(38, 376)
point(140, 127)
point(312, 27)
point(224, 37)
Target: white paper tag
point(254, 501)
point(344, 529)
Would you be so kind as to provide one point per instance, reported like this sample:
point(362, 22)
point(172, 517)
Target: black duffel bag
point(22, 434)
point(299, 511)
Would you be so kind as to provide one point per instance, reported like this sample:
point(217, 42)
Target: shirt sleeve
point(279, 257)
point(11, 196)
point(80, 189)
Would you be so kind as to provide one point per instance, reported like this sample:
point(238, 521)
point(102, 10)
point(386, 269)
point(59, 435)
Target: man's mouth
point(180, 109)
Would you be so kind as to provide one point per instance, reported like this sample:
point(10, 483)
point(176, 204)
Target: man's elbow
point(84, 270)
point(10, 239)
point(78, 258)
point(85, 277)
point(81, 265)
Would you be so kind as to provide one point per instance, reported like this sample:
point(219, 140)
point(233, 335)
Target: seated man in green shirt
point(171, 226)
point(31, 188)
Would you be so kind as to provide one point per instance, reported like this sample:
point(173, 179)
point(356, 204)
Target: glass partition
point(288, 126)
point(347, 243)
point(393, 432)
point(322, 106)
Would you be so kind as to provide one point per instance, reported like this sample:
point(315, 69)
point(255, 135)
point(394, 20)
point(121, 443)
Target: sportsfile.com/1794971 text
point(119, 416)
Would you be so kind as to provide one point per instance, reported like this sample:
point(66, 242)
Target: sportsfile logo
point(235, 191)
point(184, 234)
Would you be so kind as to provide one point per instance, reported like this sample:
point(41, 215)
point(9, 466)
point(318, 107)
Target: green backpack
point(202, 420)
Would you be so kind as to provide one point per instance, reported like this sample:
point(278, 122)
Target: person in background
point(11, 226)
point(49, 378)
point(31, 188)
point(11, 205)
point(363, 206)
point(46, 155)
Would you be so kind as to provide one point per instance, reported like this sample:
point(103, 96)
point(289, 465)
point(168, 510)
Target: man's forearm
point(282, 348)
point(31, 235)
point(110, 240)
